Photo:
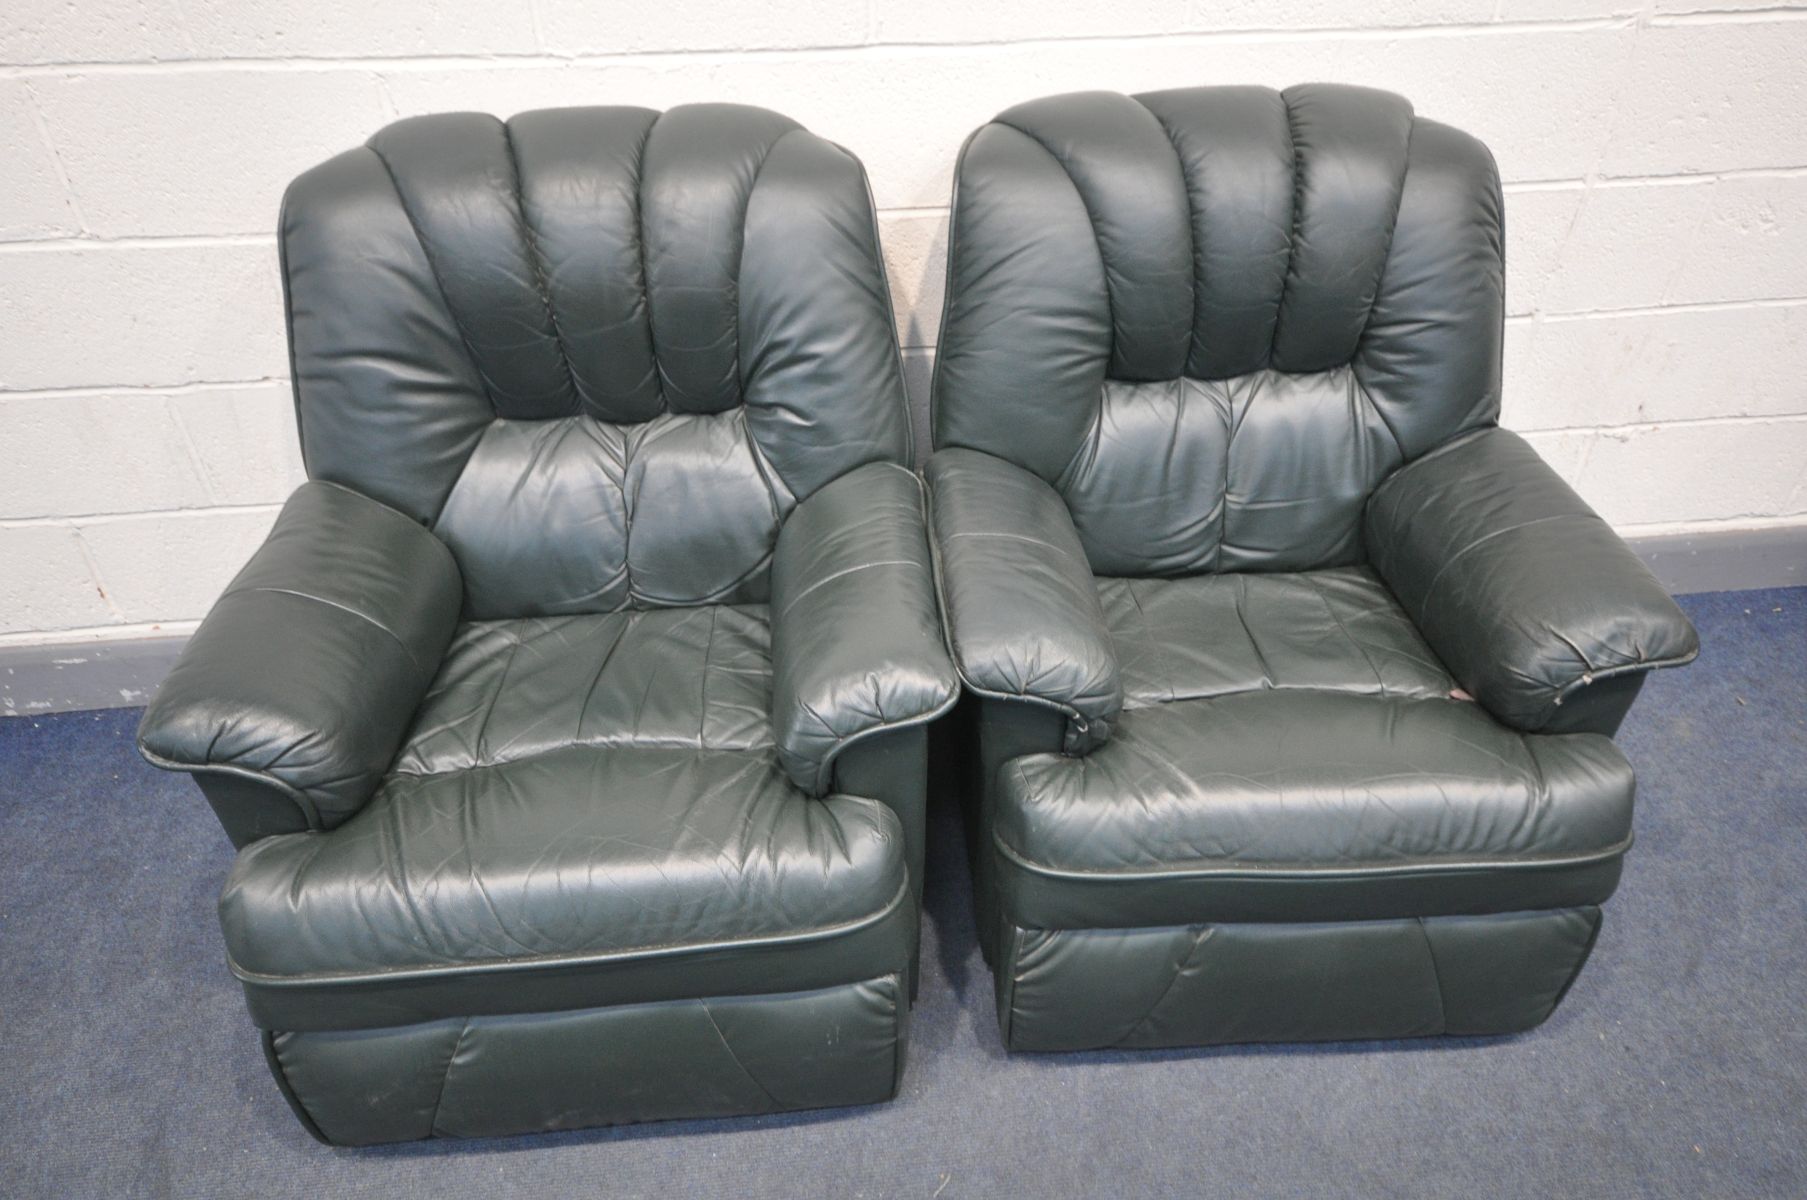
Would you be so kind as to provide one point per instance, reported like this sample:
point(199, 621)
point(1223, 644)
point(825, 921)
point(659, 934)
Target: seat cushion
point(1214, 635)
point(589, 811)
point(697, 677)
point(1306, 805)
point(578, 877)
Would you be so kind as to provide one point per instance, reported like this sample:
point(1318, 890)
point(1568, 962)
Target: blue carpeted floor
point(1677, 1066)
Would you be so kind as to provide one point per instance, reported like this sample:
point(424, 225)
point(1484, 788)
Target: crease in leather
point(1202, 636)
point(1379, 681)
point(646, 293)
point(735, 1057)
point(884, 279)
point(451, 1061)
point(1091, 217)
point(1195, 345)
point(654, 657)
point(947, 273)
point(342, 607)
point(537, 260)
point(843, 572)
point(1203, 935)
point(1380, 279)
point(1430, 589)
point(1296, 217)
point(740, 374)
point(1430, 953)
point(438, 280)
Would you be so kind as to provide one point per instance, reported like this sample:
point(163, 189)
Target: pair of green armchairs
point(574, 722)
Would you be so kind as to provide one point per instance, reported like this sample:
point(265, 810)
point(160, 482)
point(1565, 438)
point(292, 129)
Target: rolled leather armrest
point(303, 678)
point(1022, 605)
point(1523, 591)
point(856, 638)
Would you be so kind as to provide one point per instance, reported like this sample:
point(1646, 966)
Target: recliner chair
point(1293, 673)
point(571, 719)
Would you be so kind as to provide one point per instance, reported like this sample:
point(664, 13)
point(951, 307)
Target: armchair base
point(488, 1076)
point(1176, 953)
point(1198, 985)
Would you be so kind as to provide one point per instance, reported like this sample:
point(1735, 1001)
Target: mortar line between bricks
point(1562, 317)
point(76, 390)
point(879, 49)
point(1633, 428)
point(172, 241)
point(1656, 310)
point(1728, 16)
point(76, 520)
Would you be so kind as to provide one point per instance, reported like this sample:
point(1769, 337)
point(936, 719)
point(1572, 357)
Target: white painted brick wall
point(1654, 152)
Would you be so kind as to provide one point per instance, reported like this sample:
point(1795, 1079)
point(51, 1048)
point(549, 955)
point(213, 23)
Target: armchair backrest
point(601, 352)
point(1214, 319)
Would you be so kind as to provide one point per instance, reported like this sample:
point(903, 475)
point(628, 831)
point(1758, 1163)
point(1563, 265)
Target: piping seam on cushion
point(1425, 866)
point(509, 965)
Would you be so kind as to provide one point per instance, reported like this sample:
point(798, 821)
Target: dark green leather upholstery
point(1245, 806)
point(563, 859)
point(1023, 613)
point(1478, 540)
point(1294, 675)
point(570, 722)
point(487, 1075)
point(1088, 989)
point(345, 591)
point(855, 632)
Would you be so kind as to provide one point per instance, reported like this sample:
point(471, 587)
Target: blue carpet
point(1677, 1066)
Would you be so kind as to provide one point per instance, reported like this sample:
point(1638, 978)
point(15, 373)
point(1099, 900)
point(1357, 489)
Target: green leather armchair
point(1293, 675)
point(570, 722)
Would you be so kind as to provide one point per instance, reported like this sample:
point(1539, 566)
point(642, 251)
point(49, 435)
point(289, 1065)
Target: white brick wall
point(1655, 155)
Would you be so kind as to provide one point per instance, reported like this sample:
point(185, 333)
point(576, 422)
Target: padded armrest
point(1525, 593)
point(1022, 606)
point(307, 671)
point(856, 638)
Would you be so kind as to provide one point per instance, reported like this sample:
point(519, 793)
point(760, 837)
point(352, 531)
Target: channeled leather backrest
point(601, 352)
point(1215, 318)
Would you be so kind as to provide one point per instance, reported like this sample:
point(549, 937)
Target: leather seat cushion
point(589, 810)
point(1309, 805)
point(1215, 635)
point(699, 677)
point(582, 876)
